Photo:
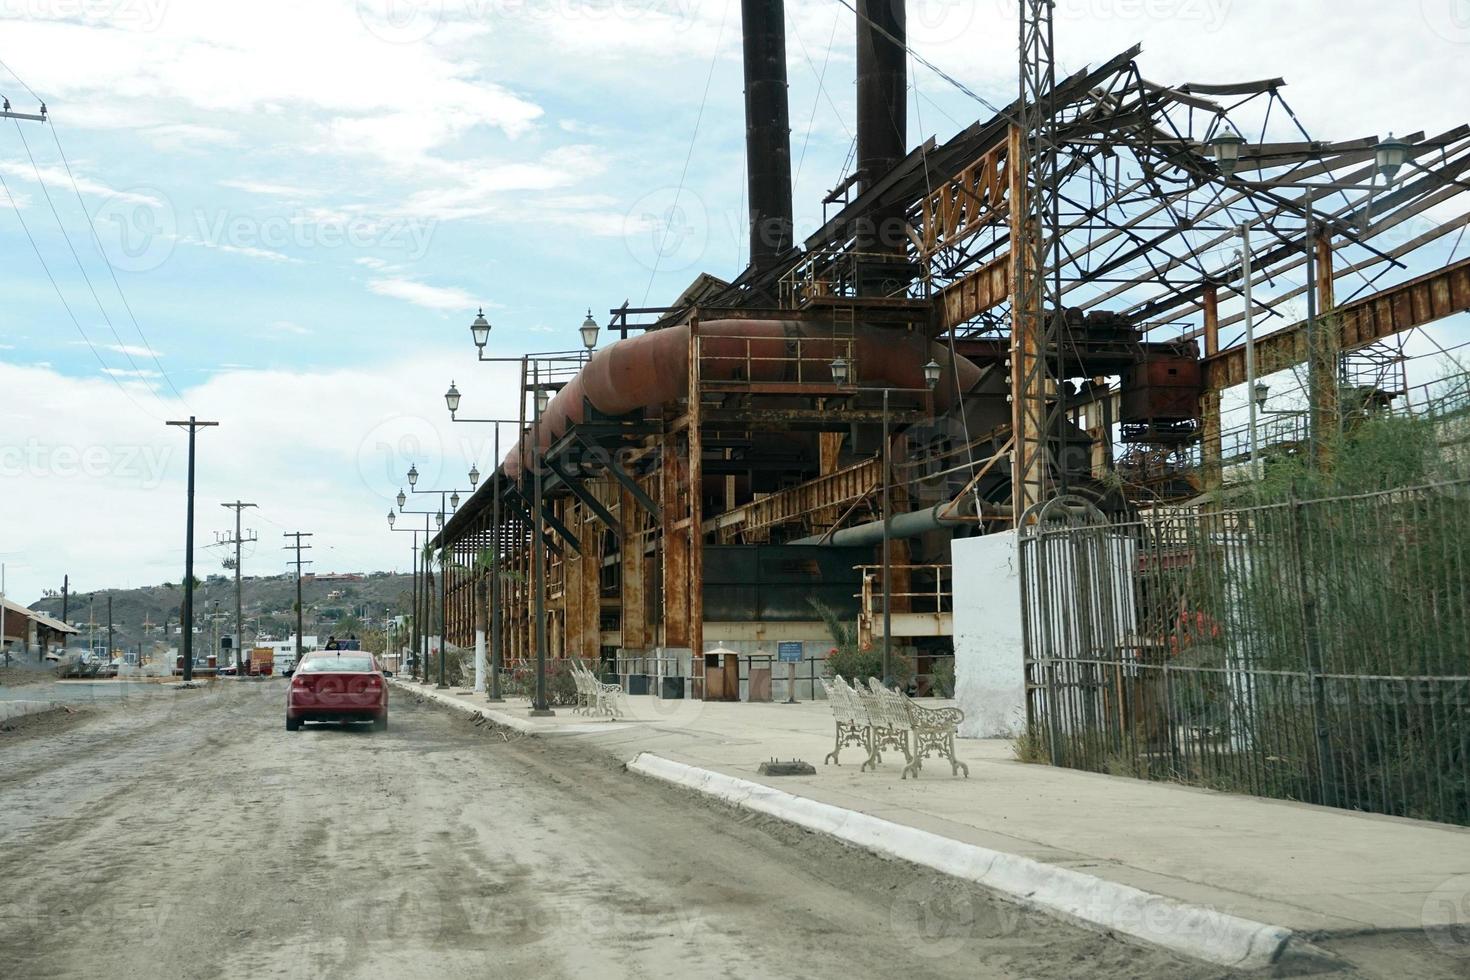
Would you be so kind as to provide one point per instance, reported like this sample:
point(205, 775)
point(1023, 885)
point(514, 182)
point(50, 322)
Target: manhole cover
point(791, 767)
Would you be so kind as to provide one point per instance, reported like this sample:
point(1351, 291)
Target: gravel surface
point(187, 834)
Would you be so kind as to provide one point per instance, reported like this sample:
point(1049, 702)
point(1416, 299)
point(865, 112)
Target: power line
point(91, 225)
point(929, 64)
point(693, 139)
point(11, 72)
point(122, 348)
point(65, 305)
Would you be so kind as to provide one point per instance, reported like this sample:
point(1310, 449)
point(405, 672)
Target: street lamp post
point(496, 541)
point(840, 373)
point(414, 599)
point(539, 707)
point(480, 333)
point(448, 500)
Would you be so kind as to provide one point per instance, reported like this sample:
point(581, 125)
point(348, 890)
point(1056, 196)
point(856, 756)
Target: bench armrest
point(935, 718)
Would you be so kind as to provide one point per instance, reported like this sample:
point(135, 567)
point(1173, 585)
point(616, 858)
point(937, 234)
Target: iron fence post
point(1313, 656)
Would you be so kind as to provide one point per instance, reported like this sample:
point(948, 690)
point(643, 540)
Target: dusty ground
point(187, 834)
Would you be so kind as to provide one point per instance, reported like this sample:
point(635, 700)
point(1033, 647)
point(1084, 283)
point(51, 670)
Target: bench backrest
point(892, 706)
point(845, 704)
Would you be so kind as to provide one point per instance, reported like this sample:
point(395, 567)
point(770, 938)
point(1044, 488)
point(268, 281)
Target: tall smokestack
point(882, 108)
point(767, 130)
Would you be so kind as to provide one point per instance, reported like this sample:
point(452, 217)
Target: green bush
point(520, 681)
point(846, 660)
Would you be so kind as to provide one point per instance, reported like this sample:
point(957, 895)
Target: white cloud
point(268, 189)
point(130, 350)
point(87, 443)
point(56, 177)
point(446, 298)
point(125, 373)
point(250, 251)
point(190, 137)
point(286, 326)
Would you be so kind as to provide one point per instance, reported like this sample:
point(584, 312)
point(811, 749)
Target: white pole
point(1250, 345)
point(479, 658)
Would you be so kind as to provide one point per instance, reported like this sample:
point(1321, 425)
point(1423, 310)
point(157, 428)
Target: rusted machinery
point(712, 462)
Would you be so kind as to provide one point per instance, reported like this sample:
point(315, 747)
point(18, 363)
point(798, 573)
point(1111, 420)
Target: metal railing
point(1314, 650)
point(742, 361)
point(834, 274)
point(933, 599)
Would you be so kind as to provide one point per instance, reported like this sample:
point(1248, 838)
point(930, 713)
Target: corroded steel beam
point(1430, 297)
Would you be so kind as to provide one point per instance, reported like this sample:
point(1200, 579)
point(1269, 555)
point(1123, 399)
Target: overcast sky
point(305, 203)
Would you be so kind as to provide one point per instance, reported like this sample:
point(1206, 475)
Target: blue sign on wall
point(789, 651)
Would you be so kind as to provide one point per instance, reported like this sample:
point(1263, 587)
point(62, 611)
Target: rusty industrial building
point(1069, 265)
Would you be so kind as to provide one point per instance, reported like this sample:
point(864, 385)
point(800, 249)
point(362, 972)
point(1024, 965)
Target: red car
point(337, 685)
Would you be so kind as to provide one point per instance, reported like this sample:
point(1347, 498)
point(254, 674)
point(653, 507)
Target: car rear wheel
point(380, 723)
point(292, 724)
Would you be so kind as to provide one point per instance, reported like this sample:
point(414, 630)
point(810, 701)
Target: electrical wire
point(11, 72)
point(693, 140)
point(929, 64)
point(106, 370)
point(91, 225)
point(121, 347)
point(821, 93)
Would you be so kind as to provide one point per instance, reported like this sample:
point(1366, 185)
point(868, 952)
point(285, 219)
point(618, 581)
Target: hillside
point(267, 600)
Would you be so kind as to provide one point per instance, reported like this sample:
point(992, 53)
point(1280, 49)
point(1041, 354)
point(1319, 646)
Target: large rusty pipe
point(651, 369)
point(910, 525)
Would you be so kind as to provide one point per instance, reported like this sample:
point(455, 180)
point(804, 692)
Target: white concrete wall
point(988, 656)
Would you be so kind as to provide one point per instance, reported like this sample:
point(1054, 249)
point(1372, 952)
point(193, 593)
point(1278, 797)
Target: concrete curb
point(524, 725)
point(1197, 931)
point(19, 709)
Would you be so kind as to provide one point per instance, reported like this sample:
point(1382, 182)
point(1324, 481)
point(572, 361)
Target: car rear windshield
point(353, 663)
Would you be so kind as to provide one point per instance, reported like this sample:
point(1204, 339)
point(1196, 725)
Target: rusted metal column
point(1325, 359)
point(590, 637)
point(1211, 467)
point(573, 617)
point(633, 594)
point(696, 511)
point(674, 533)
point(1028, 381)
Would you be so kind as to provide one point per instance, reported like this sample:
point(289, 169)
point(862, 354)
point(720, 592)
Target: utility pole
point(147, 628)
point(186, 615)
point(298, 547)
point(65, 583)
point(237, 507)
point(109, 627)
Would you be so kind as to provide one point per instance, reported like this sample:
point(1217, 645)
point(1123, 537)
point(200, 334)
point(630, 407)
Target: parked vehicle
point(262, 662)
point(344, 686)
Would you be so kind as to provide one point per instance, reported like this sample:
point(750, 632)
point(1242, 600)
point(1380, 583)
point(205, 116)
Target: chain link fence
point(1314, 650)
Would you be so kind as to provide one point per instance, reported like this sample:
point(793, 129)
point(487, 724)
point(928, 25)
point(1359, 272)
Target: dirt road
point(187, 834)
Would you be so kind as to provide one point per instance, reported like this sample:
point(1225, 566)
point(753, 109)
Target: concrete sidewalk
point(1309, 870)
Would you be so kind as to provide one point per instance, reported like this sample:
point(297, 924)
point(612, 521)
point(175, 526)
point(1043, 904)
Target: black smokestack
point(767, 129)
point(882, 109)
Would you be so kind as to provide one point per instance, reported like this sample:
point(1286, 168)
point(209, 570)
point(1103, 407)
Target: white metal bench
point(850, 718)
point(933, 729)
point(889, 726)
point(596, 698)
